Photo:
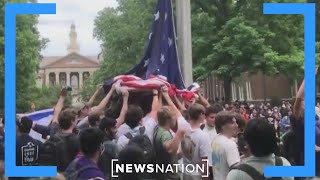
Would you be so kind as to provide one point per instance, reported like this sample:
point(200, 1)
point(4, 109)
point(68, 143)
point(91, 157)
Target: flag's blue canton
point(161, 56)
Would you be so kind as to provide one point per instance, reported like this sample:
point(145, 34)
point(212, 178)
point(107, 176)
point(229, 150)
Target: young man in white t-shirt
point(209, 129)
point(224, 150)
point(133, 120)
point(195, 145)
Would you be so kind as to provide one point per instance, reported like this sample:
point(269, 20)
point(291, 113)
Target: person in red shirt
point(244, 113)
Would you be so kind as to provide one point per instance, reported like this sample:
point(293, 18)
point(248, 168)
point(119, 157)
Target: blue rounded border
point(11, 10)
point(309, 12)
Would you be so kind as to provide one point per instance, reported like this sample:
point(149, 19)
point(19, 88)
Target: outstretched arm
point(98, 109)
point(172, 145)
point(125, 96)
point(155, 105)
point(181, 106)
point(170, 103)
point(203, 101)
point(58, 107)
point(299, 103)
point(93, 97)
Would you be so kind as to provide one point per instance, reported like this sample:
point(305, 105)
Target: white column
point(47, 78)
point(80, 79)
point(247, 90)
point(57, 78)
point(220, 94)
point(183, 12)
point(224, 93)
point(68, 78)
point(216, 90)
point(242, 93)
point(233, 91)
point(250, 94)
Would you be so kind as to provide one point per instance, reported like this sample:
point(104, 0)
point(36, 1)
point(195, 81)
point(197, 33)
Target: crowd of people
point(235, 141)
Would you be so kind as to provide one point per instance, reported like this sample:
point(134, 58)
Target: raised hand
point(99, 86)
point(181, 132)
point(125, 92)
point(164, 90)
point(154, 91)
point(64, 92)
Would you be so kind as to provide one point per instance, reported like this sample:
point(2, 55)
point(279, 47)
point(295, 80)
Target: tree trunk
point(227, 88)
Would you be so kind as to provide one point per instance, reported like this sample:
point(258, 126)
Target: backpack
point(288, 146)
point(144, 143)
point(55, 152)
point(188, 148)
point(256, 175)
point(72, 173)
point(111, 152)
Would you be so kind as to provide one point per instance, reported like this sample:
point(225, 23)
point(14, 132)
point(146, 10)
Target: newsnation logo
point(199, 169)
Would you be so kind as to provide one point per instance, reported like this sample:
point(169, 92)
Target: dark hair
point(66, 118)
point(214, 109)
point(195, 111)
point(240, 121)
point(107, 123)
point(25, 125)
point(185, 114)
point(94, 119)
point(164, 116)
point(90, 141)
point(261, 137)
point(285, 112)
point(133, 116)
point(223, 118)
point(131, 154)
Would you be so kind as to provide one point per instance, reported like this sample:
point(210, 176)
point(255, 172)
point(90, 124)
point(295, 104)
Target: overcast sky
point(57, 27)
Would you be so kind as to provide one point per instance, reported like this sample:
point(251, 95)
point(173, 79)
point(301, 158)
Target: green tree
point(317, 18)
point(123, 32)
point(242, 39)
point(28, 47)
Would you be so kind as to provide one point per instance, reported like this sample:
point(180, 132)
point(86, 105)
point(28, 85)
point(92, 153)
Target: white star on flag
point(165, 16)
point(156, 16)
point(169, 42)
point(146, 63)
point(162, 59)
point(150, 35)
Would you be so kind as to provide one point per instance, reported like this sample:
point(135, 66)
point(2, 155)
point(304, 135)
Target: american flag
point(161, 56)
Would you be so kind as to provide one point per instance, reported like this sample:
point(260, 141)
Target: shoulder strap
point(75, 171)
point(279, 161)
point(251, 171)
point(155, 132)
point(142, 129)
point(202, 126)
point(61, 137)
point(82, 169)
point(128, 135)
